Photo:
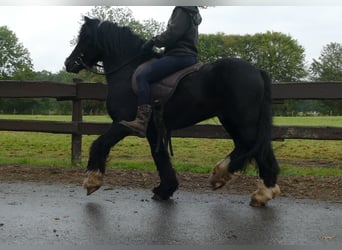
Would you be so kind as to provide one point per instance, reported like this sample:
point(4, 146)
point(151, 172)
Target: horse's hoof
point(263, 194)
point(93, 181)
point(160, 195)
point(217, 185)
point(157, 197)
point(220, 174)
point(91, 190)
point(257, 203)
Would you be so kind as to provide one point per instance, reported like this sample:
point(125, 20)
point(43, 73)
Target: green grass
point(60, 118)
point(296, 157)
point(331, 121)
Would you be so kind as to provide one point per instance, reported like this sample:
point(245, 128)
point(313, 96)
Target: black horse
point(231, 89)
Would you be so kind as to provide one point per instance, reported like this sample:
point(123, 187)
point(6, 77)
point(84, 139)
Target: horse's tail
point(265, 118)
point(266, 161)
point(262, 146)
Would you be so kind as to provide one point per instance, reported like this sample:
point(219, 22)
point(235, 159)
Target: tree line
point(279, 54)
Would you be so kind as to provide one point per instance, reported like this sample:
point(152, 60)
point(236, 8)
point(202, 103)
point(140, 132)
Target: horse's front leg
point(168, 179)
point(98, 155)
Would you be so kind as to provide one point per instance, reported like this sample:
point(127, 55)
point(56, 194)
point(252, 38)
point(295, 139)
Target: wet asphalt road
point(36, 214)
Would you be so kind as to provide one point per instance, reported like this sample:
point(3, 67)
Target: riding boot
point(139, 125)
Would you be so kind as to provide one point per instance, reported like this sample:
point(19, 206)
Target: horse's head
point(85, 54)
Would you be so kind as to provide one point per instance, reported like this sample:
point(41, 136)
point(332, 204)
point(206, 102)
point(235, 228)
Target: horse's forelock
point(88, 29)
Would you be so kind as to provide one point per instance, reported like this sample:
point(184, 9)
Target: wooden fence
point(79, 91)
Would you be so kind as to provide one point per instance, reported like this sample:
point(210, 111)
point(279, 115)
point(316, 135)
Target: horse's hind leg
point(244, 139)
point(225, 168)
point(98, 155)
point(268, 172)
point(168, 179)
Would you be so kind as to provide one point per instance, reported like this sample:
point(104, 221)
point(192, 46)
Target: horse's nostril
point(68, 65)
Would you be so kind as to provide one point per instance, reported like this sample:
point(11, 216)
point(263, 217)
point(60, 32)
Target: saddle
point(162, 90)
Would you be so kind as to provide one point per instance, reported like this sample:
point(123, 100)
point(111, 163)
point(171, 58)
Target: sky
point(46, 31)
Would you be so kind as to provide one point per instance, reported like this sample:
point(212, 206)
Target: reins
point(164, 135)
point(90, 69)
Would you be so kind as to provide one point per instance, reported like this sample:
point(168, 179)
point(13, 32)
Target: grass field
point(296, 157)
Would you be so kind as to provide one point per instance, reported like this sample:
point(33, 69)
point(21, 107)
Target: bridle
point(80, 61)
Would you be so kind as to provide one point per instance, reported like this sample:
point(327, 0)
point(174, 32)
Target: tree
point(329, 65)
point(280, 55)
point(329, 68)
point(124, 17)
point(15, 61)
point(212, 47)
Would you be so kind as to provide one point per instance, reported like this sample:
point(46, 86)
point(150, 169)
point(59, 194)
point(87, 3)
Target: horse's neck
point(122, 72)
point(124, 64)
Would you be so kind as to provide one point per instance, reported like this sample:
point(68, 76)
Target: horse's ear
point(87, 19)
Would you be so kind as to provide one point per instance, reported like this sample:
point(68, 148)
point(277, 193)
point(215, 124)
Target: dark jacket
point(181, 35)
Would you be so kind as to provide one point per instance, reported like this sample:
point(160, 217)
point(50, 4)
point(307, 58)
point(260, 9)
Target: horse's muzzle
point(72, 66)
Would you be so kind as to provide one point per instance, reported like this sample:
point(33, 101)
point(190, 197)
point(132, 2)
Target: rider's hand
point(147, 46)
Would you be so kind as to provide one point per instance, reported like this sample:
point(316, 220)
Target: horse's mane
point(111, 38)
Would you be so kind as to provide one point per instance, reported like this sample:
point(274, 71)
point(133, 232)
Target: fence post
point(76, 140)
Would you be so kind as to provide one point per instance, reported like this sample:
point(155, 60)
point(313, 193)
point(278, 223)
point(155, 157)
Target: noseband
point(79, 61)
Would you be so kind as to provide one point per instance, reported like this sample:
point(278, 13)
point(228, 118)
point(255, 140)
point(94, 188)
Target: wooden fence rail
point(78, 91)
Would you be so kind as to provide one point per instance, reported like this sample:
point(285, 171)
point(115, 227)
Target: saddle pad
point(164, 89)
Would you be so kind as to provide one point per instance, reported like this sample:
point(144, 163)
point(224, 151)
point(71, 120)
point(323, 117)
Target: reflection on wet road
point(37, 214)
